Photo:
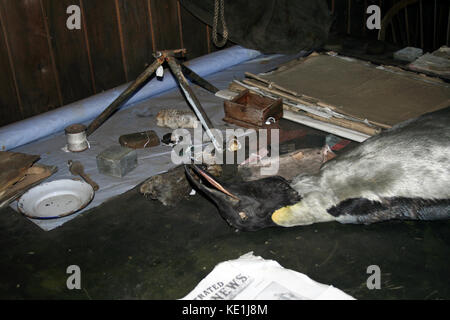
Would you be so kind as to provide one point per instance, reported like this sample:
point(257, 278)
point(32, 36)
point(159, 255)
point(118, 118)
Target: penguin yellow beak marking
point(284, 216)
point(300, 214)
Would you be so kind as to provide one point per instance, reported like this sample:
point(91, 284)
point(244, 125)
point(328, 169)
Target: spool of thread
point(76, 138)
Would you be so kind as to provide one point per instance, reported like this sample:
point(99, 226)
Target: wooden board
point(10, 109)
point(13, 167)
point(104, 42)
point(194, 35)
point(165, 21)
point(340, 13)
point(137, 36)
point(358, 17)
point(35, 175)
point(71, 55)
point(361, 90)
point(35, 74)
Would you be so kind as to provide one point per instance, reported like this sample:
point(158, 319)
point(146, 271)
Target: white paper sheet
point(253, 278)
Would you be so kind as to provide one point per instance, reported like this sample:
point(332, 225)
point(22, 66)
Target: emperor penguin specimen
point(402, 173)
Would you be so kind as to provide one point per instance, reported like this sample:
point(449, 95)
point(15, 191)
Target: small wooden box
point(251, 110)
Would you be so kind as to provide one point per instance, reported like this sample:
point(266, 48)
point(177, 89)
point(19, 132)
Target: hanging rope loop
point(219, 9)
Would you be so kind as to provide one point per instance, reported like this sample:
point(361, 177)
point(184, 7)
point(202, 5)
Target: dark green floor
point(132, 248)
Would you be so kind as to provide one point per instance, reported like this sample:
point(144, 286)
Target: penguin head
point(248, 205)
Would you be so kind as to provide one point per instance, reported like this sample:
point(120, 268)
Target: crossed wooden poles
point(180, 72)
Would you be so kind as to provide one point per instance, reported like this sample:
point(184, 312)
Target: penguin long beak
point(219, 194)
point(212, 181)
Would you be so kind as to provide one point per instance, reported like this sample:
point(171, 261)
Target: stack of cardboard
point(348, 97)
point(436, 63)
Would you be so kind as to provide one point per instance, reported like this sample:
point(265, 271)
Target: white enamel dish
point(55, 199)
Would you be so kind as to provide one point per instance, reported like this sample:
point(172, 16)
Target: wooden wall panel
point(137, 36)
point(71, 55)
point(32, 59)
point(104, 43)
point(358, 17)
point(340, 16)
point(211, 46)
point(44, 65)
point(428, 17)
point(165, 22)
point(194, 35)
point(443, 12)
point(9, 103)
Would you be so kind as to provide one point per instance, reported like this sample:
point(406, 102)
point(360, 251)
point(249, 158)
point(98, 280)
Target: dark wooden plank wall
point(422, 24)
point(196, 43)
point(11, 108)
point(137, 43)
point(70, 52)
point(166, 24)
point(44, 65)
point(105, 43)
point(31, 56)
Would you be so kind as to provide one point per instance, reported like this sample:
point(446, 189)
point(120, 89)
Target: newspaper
point(254, 278)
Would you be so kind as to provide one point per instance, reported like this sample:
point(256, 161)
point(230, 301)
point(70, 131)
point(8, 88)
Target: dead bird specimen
point(305, 161)
point(171, 187)
point(402, 173)
point(174, 119)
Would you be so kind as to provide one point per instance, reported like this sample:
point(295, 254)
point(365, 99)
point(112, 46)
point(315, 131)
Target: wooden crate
point(249, 109)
